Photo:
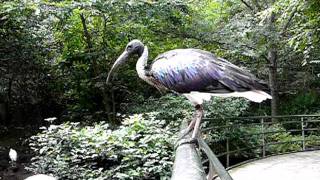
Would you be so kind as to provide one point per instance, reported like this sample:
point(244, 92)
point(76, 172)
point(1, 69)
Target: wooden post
point(303, 135)
point(228, 153)
point(227, 145)
point(187, 163)
point(263, 138)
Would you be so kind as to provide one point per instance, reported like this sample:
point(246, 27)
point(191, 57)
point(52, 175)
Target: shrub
point(281, 137)
point(248, 140)
point(139, 149)
point(170, 108)
point(175, 108)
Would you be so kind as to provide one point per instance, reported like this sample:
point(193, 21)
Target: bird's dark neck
point(140, 50)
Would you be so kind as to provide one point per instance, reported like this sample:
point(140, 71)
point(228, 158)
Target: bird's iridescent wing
point(186, 70)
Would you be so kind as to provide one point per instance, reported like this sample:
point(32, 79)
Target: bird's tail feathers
point(254, 95)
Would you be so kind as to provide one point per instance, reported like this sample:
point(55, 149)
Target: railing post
point(303, 135)
point(227, 144)
point(228, 153)
point(263, 138)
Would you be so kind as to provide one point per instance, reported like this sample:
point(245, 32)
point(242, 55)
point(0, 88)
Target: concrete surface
point(295, 166)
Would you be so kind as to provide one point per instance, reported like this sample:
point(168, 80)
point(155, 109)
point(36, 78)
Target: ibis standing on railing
point(194, 73)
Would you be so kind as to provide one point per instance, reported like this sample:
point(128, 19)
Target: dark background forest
point(55, 56)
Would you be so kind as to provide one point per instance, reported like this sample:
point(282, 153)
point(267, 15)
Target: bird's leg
point(185, 132)
point(188, 129)
point(194, 125)
point(198, 117)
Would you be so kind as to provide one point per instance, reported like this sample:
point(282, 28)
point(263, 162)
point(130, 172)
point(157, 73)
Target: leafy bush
point(175, 108)
point(301, 103)
point(139, 149)
point(168, 107)
point(248, 138)
point(217, 111)
point(281, 137)
point(312, 141)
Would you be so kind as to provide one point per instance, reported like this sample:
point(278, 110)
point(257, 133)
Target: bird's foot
point(174, 93)
point(187, 141)
point(183, 134)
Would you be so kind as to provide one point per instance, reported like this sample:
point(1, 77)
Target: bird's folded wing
point(187, 70)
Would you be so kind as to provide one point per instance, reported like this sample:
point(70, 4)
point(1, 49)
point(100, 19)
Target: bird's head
point(133, 47)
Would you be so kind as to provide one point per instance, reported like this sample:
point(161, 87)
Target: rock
point(40, 177)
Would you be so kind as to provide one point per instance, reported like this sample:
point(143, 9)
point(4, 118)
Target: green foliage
point(174, 109)
point(67, 47)
point(170, 108)
point(287, 142)
point(221, 108)
point(56, 55)
point(312, 140)
point(92, 34)
point(25, 61)
point(246, 139)
point(139, 149)
point(303, 103)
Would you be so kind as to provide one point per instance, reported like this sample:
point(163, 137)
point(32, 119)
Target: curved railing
point(249, 138)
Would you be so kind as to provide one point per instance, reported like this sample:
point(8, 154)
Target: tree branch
point(89, 43)
point(245, 3)
point(285, 27)
point(257, 4)
point(85, 31)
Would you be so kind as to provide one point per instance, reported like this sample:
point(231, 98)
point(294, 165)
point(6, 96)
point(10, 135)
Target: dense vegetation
point(141, 148)
point(55, 56)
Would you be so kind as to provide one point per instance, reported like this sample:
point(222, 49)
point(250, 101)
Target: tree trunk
point(7, 103)
point(272, 58)
point(106, 103)
point(88, 40)
point(3, 113)
point(105, 93)
point(86, 32)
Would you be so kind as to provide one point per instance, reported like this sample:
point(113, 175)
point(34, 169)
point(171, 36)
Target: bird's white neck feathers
point(142, 64)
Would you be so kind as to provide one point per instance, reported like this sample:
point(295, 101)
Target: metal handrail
point(268, 117)
point(264, 132)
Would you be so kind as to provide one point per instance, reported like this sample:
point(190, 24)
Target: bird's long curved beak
point(121, 59)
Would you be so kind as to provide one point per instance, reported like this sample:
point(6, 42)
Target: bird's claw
point(187, 141)
point(175, 93)
point(183, 134)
